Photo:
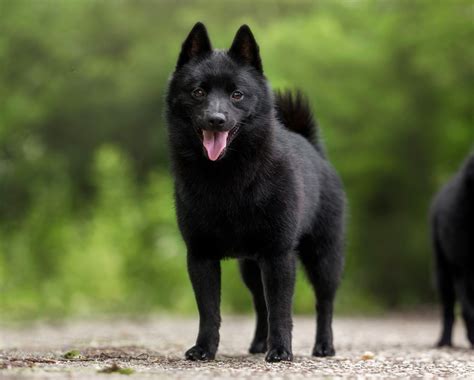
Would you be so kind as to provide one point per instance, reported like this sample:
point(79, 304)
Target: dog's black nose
point(216, 120)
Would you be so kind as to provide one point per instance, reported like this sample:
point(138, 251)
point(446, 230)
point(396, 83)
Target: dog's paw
point(278, 354)
point(258, 347)
point(323, 349)
point(198, 353)
point(444, 343)
point(470, 335)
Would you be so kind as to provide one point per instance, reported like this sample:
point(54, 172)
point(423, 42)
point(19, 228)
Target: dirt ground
point(400, 346)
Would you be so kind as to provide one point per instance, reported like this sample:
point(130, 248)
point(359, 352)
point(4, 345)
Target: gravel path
point(153, 348)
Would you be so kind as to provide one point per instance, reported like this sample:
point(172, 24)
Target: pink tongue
point(215, 143)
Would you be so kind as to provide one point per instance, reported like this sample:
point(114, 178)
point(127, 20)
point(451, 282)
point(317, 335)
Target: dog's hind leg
point(447, 294)
point(322, 256)
point(465, 291)
point(253, 280)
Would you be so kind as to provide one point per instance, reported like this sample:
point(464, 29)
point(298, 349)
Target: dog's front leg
point(278, 275)
point(205, 276)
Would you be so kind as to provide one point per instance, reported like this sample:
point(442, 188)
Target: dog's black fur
point(271, 192)
point(452, 223)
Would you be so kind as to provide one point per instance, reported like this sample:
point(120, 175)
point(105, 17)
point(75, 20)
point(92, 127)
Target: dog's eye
point(198, 92)
point(237, 95)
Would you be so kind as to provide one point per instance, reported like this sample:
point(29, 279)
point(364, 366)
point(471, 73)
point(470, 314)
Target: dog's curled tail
point(295, 113)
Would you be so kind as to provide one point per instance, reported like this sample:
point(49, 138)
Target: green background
point(87, 222)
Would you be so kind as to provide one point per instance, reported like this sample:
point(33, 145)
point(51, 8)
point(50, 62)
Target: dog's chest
point(231, 213)
point(236, 223)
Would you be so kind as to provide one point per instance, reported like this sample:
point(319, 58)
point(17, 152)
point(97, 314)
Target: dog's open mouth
point(216, 142)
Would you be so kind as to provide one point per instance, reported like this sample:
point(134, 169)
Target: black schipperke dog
point(452, 223)
point(251, 182)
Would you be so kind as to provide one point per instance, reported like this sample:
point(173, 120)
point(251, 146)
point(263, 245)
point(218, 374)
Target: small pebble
point(368, 355)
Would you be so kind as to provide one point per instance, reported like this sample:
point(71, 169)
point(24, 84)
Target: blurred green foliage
point(86, 209)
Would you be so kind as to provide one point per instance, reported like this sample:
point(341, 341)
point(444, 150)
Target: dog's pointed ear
point(245, 49)
point(197, 43)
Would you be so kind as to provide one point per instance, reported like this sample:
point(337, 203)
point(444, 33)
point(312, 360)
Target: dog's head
point(215, 96)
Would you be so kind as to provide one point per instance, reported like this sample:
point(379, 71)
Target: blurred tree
point(86, 215)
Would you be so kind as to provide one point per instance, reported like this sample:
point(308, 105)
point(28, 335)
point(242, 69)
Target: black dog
point(452, 222)
point(249, 184)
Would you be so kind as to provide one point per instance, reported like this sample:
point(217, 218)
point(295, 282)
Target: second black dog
point(251, 182)
point(452, 222)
